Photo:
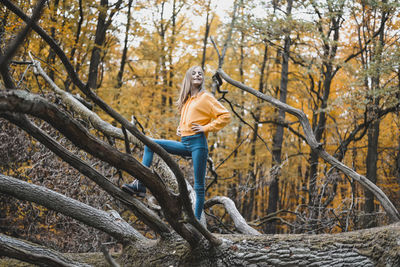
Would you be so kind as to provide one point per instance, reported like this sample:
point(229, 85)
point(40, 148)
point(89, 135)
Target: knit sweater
point(205, 110)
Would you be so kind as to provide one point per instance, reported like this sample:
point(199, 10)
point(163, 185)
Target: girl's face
point(197, 77)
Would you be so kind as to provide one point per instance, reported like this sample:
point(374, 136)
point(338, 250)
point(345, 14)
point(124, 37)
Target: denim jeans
point(194, 146)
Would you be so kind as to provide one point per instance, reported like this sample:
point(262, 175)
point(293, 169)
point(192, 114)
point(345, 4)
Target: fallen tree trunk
point(371, 247)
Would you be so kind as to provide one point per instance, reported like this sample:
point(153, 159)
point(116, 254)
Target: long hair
point(187, 86)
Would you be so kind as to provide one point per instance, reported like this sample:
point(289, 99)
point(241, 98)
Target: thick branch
point(98, 219)
point(240, 223)
point(315, 146)
point(140, 210)
point(78, 107)
point(32, 253)
point(370, 247)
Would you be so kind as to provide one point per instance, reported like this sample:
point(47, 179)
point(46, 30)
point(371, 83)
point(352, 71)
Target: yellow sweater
point(205, 110)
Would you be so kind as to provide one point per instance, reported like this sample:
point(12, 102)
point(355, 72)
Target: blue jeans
point(194, 146)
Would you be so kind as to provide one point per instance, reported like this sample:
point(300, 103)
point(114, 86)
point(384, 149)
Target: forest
point(312, 152)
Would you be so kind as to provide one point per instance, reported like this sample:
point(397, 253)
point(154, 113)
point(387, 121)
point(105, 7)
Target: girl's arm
point(220, 115)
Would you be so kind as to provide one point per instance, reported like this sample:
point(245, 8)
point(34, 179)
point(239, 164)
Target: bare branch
point(108, 257)
point(240, 223)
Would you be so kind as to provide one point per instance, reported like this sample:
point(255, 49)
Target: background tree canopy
point(85, 83)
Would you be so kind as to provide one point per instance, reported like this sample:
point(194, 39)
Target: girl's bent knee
point(147, 149)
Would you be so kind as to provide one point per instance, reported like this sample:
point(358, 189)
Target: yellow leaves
point(158, 56)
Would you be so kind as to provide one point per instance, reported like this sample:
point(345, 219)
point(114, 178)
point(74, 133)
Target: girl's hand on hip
point(178, 131)
point(197, 128)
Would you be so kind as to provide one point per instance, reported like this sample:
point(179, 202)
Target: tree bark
point(372, 247)
point(371, 164)
point(364, 248)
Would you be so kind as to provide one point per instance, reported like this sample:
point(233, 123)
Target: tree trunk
point(371, 162)
point(51, 59)
point(372, 247)
point(273, 196)
point(98, 44)
point(206, 34)
point(4, 70)
point(364, 248)
point(330, 38)
point(67, 82)
point(125, 49)
point(373, 130)
point(251, 184)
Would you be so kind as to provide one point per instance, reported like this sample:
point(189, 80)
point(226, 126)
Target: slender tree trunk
point(162, 33)
point(67, 83)
point(52, 55)
point(171, 48)
point(125, 49)
point(398, 164)
point(237, 195)
point(98, 44)
point(330, 40)
point(273, 197)
point(373, 130)
point(371, 164)
point(206, 34)
point(4, 70)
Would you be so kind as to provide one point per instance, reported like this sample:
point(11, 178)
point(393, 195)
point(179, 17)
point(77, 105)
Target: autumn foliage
point(343, 72)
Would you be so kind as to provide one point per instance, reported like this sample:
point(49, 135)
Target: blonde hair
point(187, 86)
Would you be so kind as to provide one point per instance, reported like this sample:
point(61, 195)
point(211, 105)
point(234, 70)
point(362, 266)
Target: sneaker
point(135, 188)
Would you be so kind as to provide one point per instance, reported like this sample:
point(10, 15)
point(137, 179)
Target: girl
point(200, 113)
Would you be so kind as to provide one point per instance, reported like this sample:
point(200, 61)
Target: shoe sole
point(128, 190)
